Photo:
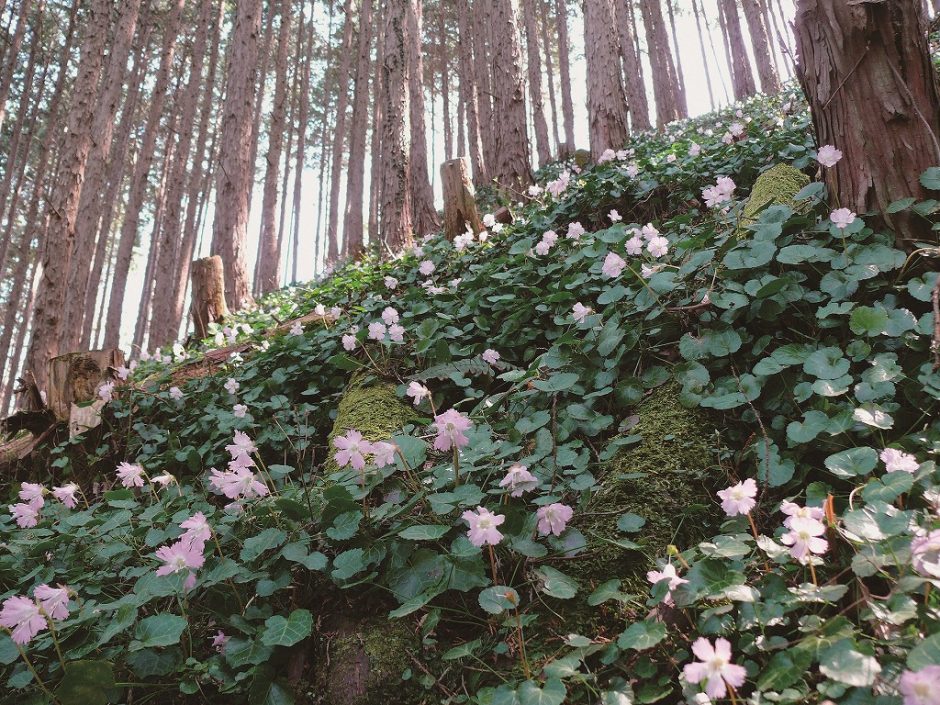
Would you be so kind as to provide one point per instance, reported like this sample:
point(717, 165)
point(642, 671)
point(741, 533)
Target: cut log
point(208, 277)
point(75, 378)
point(460, 206)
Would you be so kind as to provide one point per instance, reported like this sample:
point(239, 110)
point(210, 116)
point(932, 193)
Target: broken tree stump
point(208, 306)
point(74, 381)
point(460, 206)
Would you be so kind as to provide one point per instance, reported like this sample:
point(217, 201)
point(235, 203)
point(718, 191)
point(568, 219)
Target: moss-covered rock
point(363, 663)
point(664, 479)
point(776, 186)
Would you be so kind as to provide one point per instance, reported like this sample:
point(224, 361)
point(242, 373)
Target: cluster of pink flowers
point(559, 185)
point(898, 461)
point(464, 240)
point(26, 617)
point(239, 481)
point(544, 246)
point(27, 512)
point(650, 238)
point(719, 193)
point(806, 530)
point(575, 231)
point(187, 553)
point(352, 450)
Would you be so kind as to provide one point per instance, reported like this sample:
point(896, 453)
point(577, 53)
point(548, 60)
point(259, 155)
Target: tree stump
point(75, 378)
point(208, 306)
point(460, 206)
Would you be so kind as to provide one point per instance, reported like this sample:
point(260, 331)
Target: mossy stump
point(776, 186)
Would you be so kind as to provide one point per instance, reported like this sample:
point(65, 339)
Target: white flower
point(898, 461)
point(579, 312)
point(231, 386)
point(489, 220)
point(828, 155)
point(842, 218)
point(614, 216)
point(658, 246)
point(239, 411)
point(391, 282)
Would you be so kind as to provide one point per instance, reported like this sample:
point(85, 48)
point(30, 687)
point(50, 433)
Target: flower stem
point(753, 525)
point(456, 466)
point(55, 640)
point(32, 669)
point(493, 564)
point(522, 651)
point(812, 572)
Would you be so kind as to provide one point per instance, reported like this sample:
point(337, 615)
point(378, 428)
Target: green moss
point(664, 479)
point(776, 186)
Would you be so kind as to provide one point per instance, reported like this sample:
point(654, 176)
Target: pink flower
point(635, 244)
point(240, 482)
point(894, 460)
point(921, 687)
point(390, 282)
point(184, 554)
point(490, 356)
point(828, 155)
point(242, 446)
point(377, 331)
point(176, 393)
point(383, 454)
point(197, 528)
point(349, 342)
point(489, 220)
point(418, 391)
point(925, 554)
point(553, 518)
point(296, 329)
point(232, 385)
point(450, 427)
point(239, 411)
point(649, 232)
point(130, 474)
point(66, 494)
point(390, 315)
point(106, 392)
point(396, 333)
point(575, 231)
point(542, 248)
point(739, 498)
point(483, 525)
point(579, 312)
point(795, 511)
point(694, 150)
point(720, 192)
point(667, 573)
point(163, 480)
point(558, 186)
point(427, 268)
point(351, 450)
point(658, 246)
point(608, 155)
point(26, 515)
point(842, 218)
point(613, 265)
point(632, 170)
point(714, 667)
point(31, 493)
point(219, 641)
point(518, 479)
point(804, 539)
point(736, 129)
point(22, 616)
point(614, 216)
point(54, 601)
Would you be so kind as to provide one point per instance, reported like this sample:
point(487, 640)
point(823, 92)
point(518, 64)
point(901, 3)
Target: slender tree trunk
point(742, 78)
point(230, 219)
point(12, 55)
point(701, 44)
point(396, 166)
point(511, 168)
point(260, 88)
point(339, 133)
point(355, 176)
point(564, 71)
point(782, 44)
point(444, 58)
point(138, 189)
point(269, 255)
point(63, 208)
point(378, 128)
point(607, 105)
point(14, 304)
point(872, 90)
point(678, 79)
point(763, 53)
point(483, 79)
point(665, 88)
point(549, 68)
point(634, 85)
point(301, 141)
point(21, 330)
point(711, 43)
point(424, 216)
point(469, 89)
point(534, 61)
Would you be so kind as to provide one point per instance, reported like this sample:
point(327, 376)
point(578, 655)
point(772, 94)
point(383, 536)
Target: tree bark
point(469, 95)
point(742, 78)
point(564, 71)
point(682, 102)
point(763, 52)
point(701, 44)
point(634, 83)
point(665, 86)
point(12, 55)
point(230, 219)
point(302, 119)
point(549, 68)
point(378, 128)
point(607, 105)
point(355, 176)
point(482, 78)
point(208, 305)
point(443, 48)
point(511, 168)
point(866, 71)
point(534, 65)
point(460, 207)
point(396, 166)
point(63, 209)
point(424, 215)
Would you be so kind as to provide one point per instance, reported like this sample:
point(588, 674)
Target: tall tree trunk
point(378, 128)
point(355, 175)
point(534, 62)
point(260, 88)
point(665, 88)
point(424, 215)
point(866, 71)
point(512, 166)
point(21, 330)
point(12, 55)
point(607, 105)
point(678, 79)
point(63, 208)
point(469, 91)
point(138, 187)
point(549, 68)
point(396, 166)
point(164, 326)
point(302, 127)
point(269, 254)
point(230, 218)
point(763, 52)
point(444, 58)
point(634, 84)
point(701, 44)
point(742, 78)
point(89, 207)
point(564, 71)
point(339, 133)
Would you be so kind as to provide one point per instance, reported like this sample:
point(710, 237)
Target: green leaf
point(610, 336)
point(642, 635)
point(630, 522)
point(901, 204)
point(609, 590)
point(852, 462)
point(557, 584)
point(287, 632)
point(158, 630)
point(265, 541)
point(297, 553)
point(498, 599)
point(267, 690)
point(930, 179)
point(869, 321)
point(842, 663)
point(826, 363)
point(348, 563)
point(86, 683)
point(612, 295)
point(556, 383)
point(8, 651)
point(926, 653)
point(553, 693)
point(784, 669)
point(424, 532)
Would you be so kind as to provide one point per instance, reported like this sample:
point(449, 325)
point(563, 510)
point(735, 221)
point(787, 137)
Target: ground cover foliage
point(774, 347)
